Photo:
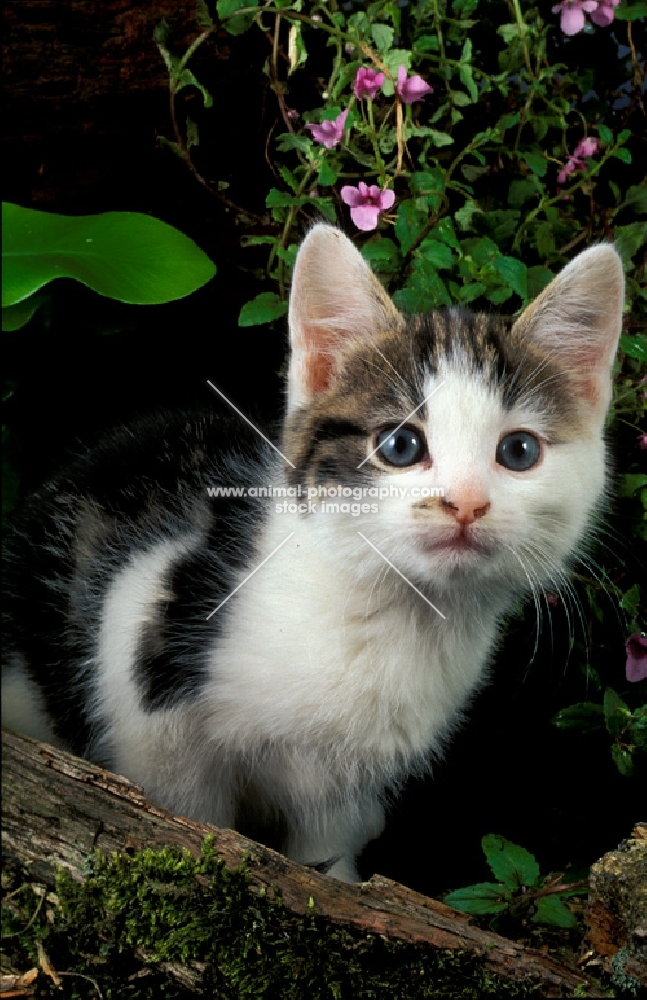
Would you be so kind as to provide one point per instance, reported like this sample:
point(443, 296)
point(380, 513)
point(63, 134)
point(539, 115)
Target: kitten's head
point(507, 421)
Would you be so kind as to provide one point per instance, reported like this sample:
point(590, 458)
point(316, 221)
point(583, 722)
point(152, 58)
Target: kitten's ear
point(577, 321)
point(335, 301)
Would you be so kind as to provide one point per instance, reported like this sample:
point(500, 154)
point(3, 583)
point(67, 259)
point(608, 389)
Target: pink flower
point(366, 203)
point(572, 19)
point(367, 83)
point(636, 646)
point(642, 441)
point(604, 15)
point(330, 132)
point(412, 89)
point(575, 160)
point(585, 147)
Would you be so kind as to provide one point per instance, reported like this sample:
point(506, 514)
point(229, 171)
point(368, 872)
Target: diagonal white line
point(253, 426)
point(420, 594)
point(250, 575)
point(403, 422)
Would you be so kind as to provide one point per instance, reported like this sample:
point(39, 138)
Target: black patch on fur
point(136, 487)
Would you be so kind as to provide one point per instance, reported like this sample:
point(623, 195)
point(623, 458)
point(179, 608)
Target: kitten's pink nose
point(466, 507)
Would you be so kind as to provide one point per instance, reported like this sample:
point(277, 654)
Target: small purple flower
point(575, 160)
point(367, 83)
point(412, 88)
point(330, 132)
point(572, 20)
point(366, 202)
point(604, 15)
point(636, 646)
point(642, 441)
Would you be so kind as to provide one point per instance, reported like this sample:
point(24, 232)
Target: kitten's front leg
point(338, 837)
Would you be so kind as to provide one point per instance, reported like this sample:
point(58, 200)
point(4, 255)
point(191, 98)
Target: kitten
point(346, 642)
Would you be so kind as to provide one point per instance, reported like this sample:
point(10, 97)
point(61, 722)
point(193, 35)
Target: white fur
point(23, 706)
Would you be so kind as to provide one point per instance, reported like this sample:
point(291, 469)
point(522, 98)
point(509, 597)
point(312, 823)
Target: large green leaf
point(125, 255)
point(483, 897)
point(511, 864)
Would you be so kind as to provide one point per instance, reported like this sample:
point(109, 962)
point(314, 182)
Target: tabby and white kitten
point(353, 639)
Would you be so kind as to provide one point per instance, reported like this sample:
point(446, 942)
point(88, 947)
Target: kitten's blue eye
point(402, 447)
point(518, 451)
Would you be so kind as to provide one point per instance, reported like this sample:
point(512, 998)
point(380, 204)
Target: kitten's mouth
point(459, 543)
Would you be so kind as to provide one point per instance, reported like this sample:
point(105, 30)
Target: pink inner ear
point(318, 357)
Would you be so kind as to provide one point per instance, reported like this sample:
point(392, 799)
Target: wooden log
point(57, 809)
point(617, 910)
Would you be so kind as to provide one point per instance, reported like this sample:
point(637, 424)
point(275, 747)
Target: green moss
point(184, 910)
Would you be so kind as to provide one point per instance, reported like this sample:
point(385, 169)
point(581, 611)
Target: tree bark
point(617, 910)
point(56, 809)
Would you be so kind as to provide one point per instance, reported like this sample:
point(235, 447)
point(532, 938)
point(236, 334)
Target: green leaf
point(289, 178)
point(467, 293)
point(382, 254)
point(537, 163)
point(393, 60)
point(15, 317)
point(202, 16)
point(585, 716)
point(425, 289)
point(483, 897)
point(629, 239)
point(382, 35)
point(445, 232)
point(440, 138)
point(286, 141)
point(545, 239)
point(125, 255)
point(508, 32)
point(235, 25)
point(622, 154)
point(436, 253)
point(465, 214)
point(409, 224)
point(552, 911)
point(510, 864)
point(187, 79)
point(465, 71)
point(622, 759)
point(522, 190)
point(630, 483)
point(482, 251)
point(616, 713)
point(471, 172)
point(635, 346)
point(606, 135)
point(514, 274)
point(327, 176)
point(499, 295)
point(538, 278)
point(263, 309)
point(426, 182)
point(631, 12)
point(630, 601)
point(637, 197)
point(278, 199)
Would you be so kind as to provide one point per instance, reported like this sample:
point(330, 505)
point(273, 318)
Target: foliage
point(627, 729)
point(519, 891)
point(124, 255)
point(185, 910)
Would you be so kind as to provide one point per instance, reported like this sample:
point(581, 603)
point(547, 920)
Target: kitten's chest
point(311, 652)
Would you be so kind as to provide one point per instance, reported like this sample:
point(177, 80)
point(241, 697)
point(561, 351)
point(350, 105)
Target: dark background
point(86, 98)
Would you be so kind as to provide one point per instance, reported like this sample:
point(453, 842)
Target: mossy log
point(617, 909)
point(57, 810)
